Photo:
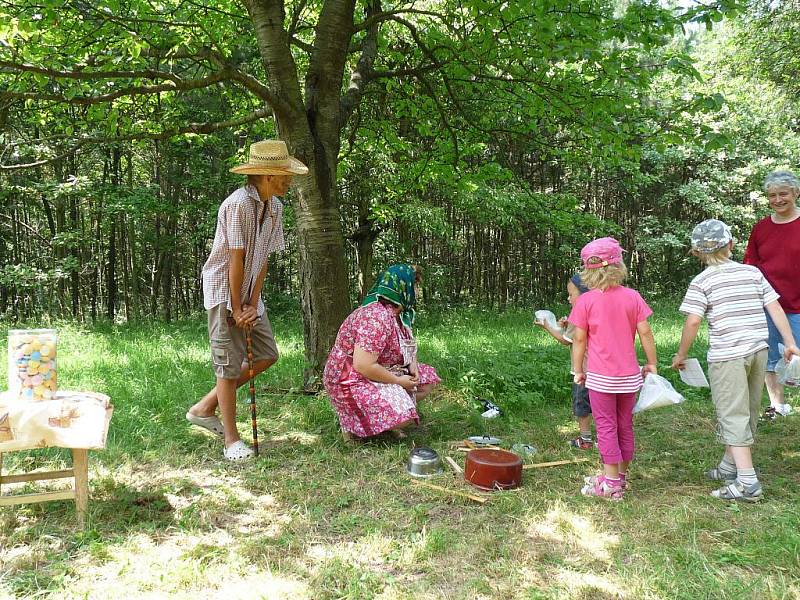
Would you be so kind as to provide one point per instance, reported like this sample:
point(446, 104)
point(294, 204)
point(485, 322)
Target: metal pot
point(489, 469)
point(424, 462)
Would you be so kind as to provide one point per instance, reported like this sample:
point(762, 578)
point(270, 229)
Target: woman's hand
point(408, 382)
point(413, 368)
point(790, 351)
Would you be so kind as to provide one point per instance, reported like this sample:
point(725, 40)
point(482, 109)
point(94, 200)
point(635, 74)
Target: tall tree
point(127, 65)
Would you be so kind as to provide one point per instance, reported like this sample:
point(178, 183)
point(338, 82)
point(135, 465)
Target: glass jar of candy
point(32, 372)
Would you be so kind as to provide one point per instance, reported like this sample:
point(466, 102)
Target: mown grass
point(313, 518)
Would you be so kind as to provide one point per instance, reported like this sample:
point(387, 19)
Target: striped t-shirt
point(732, 296)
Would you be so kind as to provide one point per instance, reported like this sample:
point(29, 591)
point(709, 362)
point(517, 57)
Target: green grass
point(313, 518)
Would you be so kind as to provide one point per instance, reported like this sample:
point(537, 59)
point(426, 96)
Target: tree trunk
point(312, 130)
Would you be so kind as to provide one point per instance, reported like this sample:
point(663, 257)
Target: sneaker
point(769, 414)
point(783, 410)
point(582, 444)
point(737, 491)
point(601, 488)
point(492, 413)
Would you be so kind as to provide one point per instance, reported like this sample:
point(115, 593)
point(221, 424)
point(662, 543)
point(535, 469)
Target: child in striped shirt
point(733, 297)
point(607, 319)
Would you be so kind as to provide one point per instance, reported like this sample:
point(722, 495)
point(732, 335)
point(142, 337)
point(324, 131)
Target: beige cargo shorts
point(736, 388)
point(229, 344)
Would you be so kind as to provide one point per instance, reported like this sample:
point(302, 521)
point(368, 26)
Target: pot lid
point(484, 440)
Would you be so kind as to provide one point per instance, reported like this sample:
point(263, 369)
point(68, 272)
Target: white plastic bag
point(788, 373)
point(546, 316)
point(656, 392)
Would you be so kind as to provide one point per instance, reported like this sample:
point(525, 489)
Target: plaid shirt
point(238, 229)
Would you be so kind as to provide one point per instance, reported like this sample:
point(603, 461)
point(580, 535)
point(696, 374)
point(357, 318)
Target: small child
point(733, 297)
point(607, 319)
point(580, 395)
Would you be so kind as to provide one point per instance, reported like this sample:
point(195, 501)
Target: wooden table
point(79, 491)
point(74, 420)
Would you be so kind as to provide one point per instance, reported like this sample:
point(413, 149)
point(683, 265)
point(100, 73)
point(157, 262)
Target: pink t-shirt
point(610, 317)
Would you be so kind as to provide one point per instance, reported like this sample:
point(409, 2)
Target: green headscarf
point(396, 284)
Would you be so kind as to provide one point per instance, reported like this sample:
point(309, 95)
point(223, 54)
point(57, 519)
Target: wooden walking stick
point(249, 338)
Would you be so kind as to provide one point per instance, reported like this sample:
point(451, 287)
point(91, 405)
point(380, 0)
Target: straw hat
point(270, 157)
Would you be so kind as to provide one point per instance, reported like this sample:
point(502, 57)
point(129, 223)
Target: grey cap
point(711, 235)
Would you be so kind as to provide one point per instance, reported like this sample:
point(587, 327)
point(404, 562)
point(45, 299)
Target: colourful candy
point(32, 371)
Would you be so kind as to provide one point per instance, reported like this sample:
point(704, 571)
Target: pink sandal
point(600, 486)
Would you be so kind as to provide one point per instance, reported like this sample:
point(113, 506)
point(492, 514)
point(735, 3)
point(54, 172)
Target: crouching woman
point(372, 375)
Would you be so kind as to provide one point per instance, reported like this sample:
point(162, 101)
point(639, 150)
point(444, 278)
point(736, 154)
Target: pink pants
point(613, 417)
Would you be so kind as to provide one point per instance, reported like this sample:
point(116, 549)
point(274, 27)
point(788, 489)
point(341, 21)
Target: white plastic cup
point(32, 369)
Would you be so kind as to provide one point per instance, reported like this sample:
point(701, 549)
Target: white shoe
point(783, 409)
point(238, 451)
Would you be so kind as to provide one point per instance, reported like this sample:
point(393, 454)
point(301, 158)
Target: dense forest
point(486, 141)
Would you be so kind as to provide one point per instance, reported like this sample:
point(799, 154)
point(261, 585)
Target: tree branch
point(28, 227)
point(360, 75)
point(15, 67)
point(136, 90)
point(443, 115)
point(379, 17)
point(208, 127)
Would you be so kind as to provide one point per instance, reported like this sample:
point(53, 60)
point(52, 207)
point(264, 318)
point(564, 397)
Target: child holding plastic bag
point(655, 393)
point(607, 319)
point(580, 395)
point(733, 297)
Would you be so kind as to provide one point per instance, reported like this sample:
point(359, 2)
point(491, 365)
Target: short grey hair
point(780, 179)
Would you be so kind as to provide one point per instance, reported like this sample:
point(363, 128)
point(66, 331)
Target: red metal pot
point(493, 469)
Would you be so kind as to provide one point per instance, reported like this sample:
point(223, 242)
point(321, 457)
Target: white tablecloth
point(70, 420)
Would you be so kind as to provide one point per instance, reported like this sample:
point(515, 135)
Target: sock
point(586, 436)
point(746, 477)
point(727, 466)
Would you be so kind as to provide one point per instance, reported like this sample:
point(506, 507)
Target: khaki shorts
point(736, 388)
point(229, 344)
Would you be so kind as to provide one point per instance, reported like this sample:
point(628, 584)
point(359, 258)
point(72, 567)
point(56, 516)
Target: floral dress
point(365, 407)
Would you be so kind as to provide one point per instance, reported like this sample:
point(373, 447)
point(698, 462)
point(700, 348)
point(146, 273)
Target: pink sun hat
point(607, 249)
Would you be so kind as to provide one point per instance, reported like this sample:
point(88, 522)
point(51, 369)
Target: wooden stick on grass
point(439, 488)
point(555, 463)
point(454, 465)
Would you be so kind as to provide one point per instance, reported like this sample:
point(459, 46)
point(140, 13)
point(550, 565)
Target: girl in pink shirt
point(607, 319)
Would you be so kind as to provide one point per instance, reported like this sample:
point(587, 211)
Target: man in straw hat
point(249, 229)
